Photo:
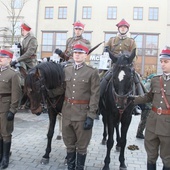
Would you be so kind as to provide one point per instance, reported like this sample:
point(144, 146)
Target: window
point(87, 12)
point(109, 35)
point(53, 40)
point(138, 13)
point(17, 4)
point(87, 36)
point(17, 28)
point(49, 12)
point(111, 13)
point(62, 13)
point(61, 39)
point(153, 14)
point(47, 41)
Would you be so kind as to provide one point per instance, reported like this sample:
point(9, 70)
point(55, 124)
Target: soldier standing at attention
point(157, 133)
point(10, 91)
point(78, 31)
point(28, 58)
point(80, 106)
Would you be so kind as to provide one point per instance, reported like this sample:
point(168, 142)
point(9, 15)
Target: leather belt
point(4, 95)
point(72, 101)
point(160, 111)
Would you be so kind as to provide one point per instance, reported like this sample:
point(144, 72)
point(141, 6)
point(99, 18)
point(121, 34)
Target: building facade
point(149, 24)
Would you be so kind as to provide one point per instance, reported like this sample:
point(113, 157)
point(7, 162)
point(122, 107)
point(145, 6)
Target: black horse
point(114, 104)
point(44, 87)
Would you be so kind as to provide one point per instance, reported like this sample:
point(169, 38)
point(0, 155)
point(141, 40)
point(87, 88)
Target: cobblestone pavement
point(29, 143)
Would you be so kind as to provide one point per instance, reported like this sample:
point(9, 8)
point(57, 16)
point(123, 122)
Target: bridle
point(119, 98)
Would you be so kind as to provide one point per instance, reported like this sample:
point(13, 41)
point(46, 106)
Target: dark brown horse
point(114, 104)
point(44, 87)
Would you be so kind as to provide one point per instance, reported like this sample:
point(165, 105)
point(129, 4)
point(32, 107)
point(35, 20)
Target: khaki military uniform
point(157, 133)
point(81, 100)
point(67, 55)
point(28, 58)
point(119, 44)
point(10, 91)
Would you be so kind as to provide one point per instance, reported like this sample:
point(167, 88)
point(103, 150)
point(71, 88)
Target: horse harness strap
point(72, 101)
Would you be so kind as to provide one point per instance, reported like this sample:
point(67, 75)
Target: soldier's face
point(4, 61)
point(165, 65)
point(78, 32)
point(123, 29)
point(79, 57)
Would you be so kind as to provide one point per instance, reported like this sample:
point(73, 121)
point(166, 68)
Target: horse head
point(123, 78)
point(34, 87)
point(38, 83)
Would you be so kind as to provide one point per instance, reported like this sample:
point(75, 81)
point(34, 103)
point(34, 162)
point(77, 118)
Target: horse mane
point(52, 73)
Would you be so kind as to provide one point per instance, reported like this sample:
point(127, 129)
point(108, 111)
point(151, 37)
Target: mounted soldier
point(78, 31)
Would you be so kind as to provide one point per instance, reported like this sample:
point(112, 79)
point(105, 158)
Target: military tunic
point(157, 125)
point(82, 84)
point(28, 58)
point(10, 92)
point(69, 46)
point(119, 44)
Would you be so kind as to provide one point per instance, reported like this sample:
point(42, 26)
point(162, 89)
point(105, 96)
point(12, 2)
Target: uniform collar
point(78, 37)
point(2, 68)
point(122, 37)
point(78, 66)
point(166, 77)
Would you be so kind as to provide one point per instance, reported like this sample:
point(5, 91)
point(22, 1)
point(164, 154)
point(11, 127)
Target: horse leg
point(118, 147)
point(59, 117)
point(52, 121)
point(124, 130)
point(104, 140)
point(110, 143)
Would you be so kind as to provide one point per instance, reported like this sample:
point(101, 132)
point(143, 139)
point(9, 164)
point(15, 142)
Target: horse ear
point(132, 55)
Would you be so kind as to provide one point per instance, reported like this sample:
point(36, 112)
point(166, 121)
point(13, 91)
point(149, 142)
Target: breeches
point(6, 128)
point(155, 144)
point(75, 137)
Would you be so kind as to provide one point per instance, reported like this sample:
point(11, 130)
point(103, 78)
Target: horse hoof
point(106, 167)
point(59, 137)
point(44, 161)
point(118, 148)
point(103, 142)
point(123, 167)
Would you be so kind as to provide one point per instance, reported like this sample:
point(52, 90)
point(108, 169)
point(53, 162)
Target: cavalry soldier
point(157, 133)
point(121, 42)
point(78, 31)
point(10, 91)
point(28, 58)
point(79, 108)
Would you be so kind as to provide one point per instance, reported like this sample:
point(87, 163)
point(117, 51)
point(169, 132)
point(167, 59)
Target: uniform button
point(75, 74)
point(74, 79)
point(73, 91)
point(164, 90)
point(161, 102)
point(165, 85)
point(72, 103)
point(72, 97)
point(73, 85)
point(82, 80)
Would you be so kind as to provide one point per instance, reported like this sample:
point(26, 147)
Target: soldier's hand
point(10, 116)
point(131, 97)
point(106, 49)
point(58, 51)
point(88, 124)
point(13, 63)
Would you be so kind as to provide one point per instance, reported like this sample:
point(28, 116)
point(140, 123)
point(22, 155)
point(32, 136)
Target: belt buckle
point(159, 111)
point(69, 100)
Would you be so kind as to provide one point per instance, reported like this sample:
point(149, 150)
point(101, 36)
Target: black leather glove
point(88, 124)
point(58, 51)
point(10, 116)
point(13, 63)
point(106, 49)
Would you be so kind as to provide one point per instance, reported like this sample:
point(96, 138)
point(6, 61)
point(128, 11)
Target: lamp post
point(75, 13)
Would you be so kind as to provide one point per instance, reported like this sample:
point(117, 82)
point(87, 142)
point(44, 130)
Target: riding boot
point(71, 159)
point(1, 149)
point(6, 154)
point(151, 166)
point(80, 161)
point(165, 168)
